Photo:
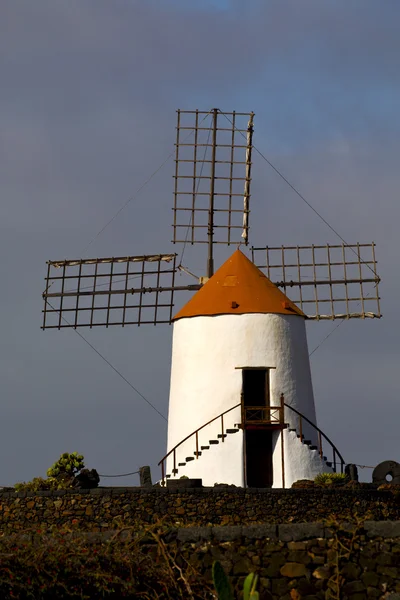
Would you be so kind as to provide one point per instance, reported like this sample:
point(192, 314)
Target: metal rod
point(246, 200)
point(283, 459)
point(231, 180)
point(45, 305)
point(197, 444)
point(94, 292)
point(176, 171)
point(376, 287)
point(77, 295)
point(109, 295)
point(361, 282)
point(299, 276)
point(207, 112)
point(210, 261)
point(61, 300)
point(141, 290)
point(222, 427)
point(330, 279)
point(172, 292)
point(125, 296)
point(320, 444)
point(196, 130)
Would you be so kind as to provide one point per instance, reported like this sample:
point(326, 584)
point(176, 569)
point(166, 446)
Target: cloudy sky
point(88, 93)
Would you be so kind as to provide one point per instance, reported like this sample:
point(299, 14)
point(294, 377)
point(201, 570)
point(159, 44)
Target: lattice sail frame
point(341, 277)
point(212, 174)
point(76, 291)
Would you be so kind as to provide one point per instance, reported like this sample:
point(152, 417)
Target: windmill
point(240, 361)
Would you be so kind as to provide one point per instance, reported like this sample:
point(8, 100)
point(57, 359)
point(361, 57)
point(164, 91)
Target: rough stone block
point(388, 529)
point(227, 533)
point(194, 534)
point(300, 531)
point(260, 532)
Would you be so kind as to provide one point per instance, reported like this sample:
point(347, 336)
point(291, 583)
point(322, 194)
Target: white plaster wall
point(300, 461)
point(205, 380)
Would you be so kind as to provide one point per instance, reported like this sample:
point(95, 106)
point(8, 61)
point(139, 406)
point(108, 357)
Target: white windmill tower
point(241, 406)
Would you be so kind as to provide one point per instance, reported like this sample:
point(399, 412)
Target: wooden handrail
point(196, 432)
point(320, 433)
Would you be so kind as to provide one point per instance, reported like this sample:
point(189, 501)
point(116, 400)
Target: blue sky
point(87, 113)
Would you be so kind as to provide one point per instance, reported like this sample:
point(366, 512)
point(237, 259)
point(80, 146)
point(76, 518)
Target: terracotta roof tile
point(238, 287)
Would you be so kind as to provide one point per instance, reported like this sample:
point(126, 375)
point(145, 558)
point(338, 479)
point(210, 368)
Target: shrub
point(59, 476)
point(330, 479)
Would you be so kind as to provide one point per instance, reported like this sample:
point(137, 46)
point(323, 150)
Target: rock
point(145, 476)
point(303, 483)
point(86, 480)
point(322, 573)
point(352, 484)
point(292, 569)
point(353, 587)
point(224, 485)
point(351, 472)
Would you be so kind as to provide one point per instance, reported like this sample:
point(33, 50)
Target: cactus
point(223, 587)
point(249, 587)
point(330, 479)
point(67, 464)
point(221, 582)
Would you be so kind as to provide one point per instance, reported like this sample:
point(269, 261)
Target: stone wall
point(293, 561)
point(102, 509)
point(302, 557)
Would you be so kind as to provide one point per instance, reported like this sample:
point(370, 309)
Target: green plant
point(68, 464)
point(330, 478)
point(184, 477)
point(59, 476)
point(224, 589)
point(64, 563)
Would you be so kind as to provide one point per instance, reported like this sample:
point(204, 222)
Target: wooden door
point(259, 471)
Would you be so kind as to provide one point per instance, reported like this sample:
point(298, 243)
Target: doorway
point(259, 472)
point(255, 388)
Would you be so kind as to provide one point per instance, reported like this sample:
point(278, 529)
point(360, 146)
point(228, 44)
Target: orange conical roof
point(237, 288)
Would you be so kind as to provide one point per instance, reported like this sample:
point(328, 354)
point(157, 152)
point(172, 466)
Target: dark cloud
point(87, 101)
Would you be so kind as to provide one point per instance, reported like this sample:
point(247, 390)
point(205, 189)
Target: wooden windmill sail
point(212, 206)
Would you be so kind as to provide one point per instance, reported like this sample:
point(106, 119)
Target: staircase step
point(292, 429)
point(174, 471)
point(328, 464)
point(181, 464)
point(300, 436)
point(220, 436)
point(168, 476)
point(313, 447)
point(197, 453)
point(189, 458)
point(307, 442)
point(214, 442)
point(205, 447)
point(232, 430)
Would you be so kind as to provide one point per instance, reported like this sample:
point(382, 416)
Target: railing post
point(282, 411)
point(162, 471)
point(174, 461)
point(197, 444)
point(334, 460)
point(283, 459)
point(301, 428)
point(320, 444)
point(222, 426)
